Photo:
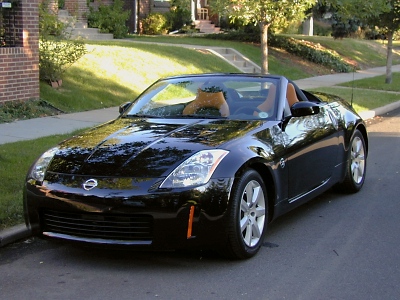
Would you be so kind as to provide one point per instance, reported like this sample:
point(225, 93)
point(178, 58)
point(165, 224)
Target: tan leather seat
point(208, 100)
point(291, 95)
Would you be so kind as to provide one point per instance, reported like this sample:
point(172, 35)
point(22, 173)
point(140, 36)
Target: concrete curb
point(379, 111)
point(13, 234)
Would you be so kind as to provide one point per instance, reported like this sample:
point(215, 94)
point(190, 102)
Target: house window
point(10, 24)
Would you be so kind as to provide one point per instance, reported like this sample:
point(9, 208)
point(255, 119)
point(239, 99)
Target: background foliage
point(110, 19)
point(56, 50)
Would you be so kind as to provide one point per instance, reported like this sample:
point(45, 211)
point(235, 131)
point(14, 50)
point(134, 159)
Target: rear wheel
point(356, 165)
point(248, 216)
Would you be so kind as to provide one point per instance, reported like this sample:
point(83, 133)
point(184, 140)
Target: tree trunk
point(389, 58)
point(264, 46)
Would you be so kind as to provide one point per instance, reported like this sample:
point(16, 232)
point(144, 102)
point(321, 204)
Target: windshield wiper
point(141, 116)
point(202, 117)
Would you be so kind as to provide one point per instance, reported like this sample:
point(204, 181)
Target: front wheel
point(356, 165)
point(248, 216)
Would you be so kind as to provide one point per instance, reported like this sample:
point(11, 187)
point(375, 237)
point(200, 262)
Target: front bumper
point(130, 212)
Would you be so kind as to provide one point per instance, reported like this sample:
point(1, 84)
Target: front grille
point(95, 226)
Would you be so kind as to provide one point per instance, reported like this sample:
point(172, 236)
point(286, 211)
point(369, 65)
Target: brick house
point(139, 9)
point(19, 50)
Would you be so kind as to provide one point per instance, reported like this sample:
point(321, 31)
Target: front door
point(312, 147)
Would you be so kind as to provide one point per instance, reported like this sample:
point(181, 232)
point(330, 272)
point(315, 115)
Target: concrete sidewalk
point(59, 124)
point(66, 123)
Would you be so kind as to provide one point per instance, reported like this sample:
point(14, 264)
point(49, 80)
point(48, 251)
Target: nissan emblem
point(89, 184)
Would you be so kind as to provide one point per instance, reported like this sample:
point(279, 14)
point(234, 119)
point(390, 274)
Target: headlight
point(196, 170)
point(38, 170)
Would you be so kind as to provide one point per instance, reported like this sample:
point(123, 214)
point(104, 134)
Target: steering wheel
point(245, 110)
point(251, 110)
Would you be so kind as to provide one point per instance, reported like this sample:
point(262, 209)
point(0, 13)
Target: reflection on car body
point(204, 161)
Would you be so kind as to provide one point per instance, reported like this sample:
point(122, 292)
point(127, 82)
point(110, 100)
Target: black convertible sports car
point(198, 161)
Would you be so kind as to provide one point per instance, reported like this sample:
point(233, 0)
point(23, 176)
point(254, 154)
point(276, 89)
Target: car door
point(311, 152)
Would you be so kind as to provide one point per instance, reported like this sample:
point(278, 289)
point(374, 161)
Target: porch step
point(236, 59)
point(205, 26)
point(79, 29)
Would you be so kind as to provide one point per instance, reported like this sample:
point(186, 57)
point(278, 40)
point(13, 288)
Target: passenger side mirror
point(304, 108)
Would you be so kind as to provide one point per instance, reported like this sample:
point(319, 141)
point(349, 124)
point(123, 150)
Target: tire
point(356, 165)
point(248, 216)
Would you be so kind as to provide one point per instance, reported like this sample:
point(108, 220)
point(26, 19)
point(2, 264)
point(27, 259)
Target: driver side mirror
point(304, 108)
point(123, 107)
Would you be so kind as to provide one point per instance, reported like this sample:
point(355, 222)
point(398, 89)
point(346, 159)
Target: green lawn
point(363, 100)
point(113, 74)
point(368, 93)
point(376, 83)
point(366, 53)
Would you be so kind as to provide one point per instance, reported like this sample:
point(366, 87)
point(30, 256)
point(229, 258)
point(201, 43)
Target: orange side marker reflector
point(190, 222)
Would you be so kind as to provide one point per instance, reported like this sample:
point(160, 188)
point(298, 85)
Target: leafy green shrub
point(312, 52)
point(155, 23)
point(56, 50)
point(110, 19)
point(237, 35)
point(344, 28)
point(56, 55)
point(322, 29)
point(179, 15)
point(48, 21)
point(61, 4)
point(22, 110)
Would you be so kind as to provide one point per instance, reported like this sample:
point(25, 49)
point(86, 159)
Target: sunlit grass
point(251, 51)
point(376, 83)
point(111, 75)
point(363, 100)
point(366, 53)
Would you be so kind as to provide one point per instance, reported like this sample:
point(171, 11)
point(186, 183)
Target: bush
point(342, 29)
point(56, 55)
point(61, 4)
point(155, 23)
point(179, 16)
point(48, 21)
point(312, 52)
point(56, 50)
point(247, 34)
point(23, 110)
point(110, 19)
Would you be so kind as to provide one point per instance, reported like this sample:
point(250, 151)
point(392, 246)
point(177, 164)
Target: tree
point(358, 8)
point(265, 13)
point(384, 14)
point(389, 23)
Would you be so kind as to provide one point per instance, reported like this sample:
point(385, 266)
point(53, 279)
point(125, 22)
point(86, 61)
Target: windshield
point(231, 97)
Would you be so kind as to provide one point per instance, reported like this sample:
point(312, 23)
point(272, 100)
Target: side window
point(10, 24)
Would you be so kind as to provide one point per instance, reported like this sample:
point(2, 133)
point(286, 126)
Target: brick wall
point(77, 8)
point(19, 66)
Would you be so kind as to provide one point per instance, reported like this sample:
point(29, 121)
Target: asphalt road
point(335, 247)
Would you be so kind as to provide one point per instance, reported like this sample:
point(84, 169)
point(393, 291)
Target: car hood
point(142, 147)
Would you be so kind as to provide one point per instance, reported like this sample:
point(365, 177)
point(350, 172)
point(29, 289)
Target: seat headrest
point(208, 100)
point(291, 95)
